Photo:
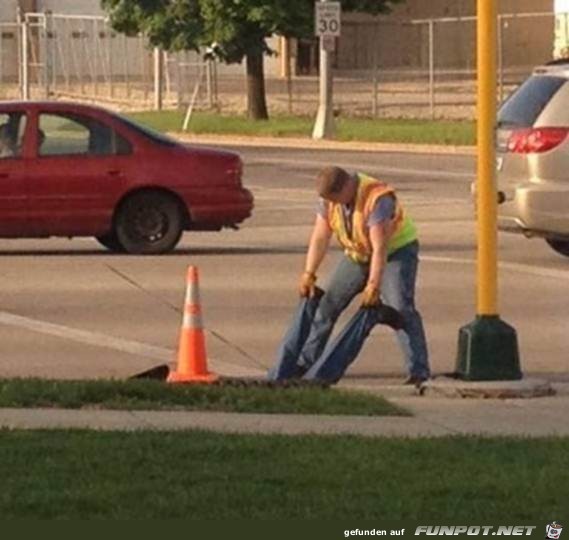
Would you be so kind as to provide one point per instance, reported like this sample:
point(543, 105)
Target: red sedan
point(75, 170)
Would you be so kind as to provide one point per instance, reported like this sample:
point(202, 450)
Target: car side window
point(12, 128)
point(74, 134)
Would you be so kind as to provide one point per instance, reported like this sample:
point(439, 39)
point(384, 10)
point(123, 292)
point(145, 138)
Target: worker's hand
point(370, 297)
point(307, 285)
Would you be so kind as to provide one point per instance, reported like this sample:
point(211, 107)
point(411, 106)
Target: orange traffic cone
point(192, 360)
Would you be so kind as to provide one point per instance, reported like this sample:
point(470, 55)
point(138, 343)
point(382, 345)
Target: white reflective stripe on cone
point(192, 294)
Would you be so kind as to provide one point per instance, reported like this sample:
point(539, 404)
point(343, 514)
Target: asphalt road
point(70, 309)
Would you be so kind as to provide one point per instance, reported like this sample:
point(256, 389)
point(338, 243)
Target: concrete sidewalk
point(305, 143)
point(433, 417)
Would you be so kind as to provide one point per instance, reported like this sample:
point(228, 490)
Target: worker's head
point(336, 185)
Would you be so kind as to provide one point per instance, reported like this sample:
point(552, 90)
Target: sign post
point(487, 347)
point(327, 27)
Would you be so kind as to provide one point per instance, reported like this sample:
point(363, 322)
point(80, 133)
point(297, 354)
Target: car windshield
point(525, 105)
point(148, 132)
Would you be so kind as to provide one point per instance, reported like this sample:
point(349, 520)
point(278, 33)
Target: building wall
point(419, 9)
point(71, 7)
point(393, 42)
point(562, 29)
point(8, 40)
point(8, 10)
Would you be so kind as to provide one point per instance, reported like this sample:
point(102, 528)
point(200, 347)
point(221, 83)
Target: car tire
point(111, 242)
point(149, 223)
point(560, 246)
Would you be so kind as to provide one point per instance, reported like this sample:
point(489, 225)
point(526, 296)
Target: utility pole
point(327, 17)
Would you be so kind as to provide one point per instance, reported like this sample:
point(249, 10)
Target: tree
point(235, 29)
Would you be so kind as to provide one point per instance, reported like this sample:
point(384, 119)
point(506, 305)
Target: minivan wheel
point(561, 246)
point(111, 242)
point(149, 223)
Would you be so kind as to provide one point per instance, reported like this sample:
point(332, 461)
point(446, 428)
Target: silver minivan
point(533, 157)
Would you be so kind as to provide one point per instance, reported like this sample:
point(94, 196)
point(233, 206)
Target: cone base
point(177, 377)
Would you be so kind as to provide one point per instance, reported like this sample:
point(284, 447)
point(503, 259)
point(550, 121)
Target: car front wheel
point(149, 223)
point(561, 246)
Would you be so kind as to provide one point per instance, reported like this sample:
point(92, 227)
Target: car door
point(77, 174)
point(13, 180)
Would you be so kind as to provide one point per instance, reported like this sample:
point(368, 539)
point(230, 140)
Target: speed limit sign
point(327, 18)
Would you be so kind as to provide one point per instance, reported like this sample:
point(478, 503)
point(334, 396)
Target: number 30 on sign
point(327, 17)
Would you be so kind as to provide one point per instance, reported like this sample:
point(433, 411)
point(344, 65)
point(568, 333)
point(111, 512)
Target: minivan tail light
point(536, 140)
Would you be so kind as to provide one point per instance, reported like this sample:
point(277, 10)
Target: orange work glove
point(307, 285)
point(370, 297)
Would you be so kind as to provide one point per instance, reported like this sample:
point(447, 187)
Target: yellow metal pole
point(487, 347)
point(486, 190)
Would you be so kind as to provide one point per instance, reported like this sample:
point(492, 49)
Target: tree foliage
point(238, 28)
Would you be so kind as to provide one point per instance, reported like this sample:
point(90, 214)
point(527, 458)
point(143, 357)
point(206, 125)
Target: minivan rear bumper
point(536, 210)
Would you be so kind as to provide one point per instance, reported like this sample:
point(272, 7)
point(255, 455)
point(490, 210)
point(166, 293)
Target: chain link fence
point(51, 56)
point(382, 68)
point(418, 68)
point(10, 59)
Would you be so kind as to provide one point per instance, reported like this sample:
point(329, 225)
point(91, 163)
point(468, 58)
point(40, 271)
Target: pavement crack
point(211, 331)
point(138, 286)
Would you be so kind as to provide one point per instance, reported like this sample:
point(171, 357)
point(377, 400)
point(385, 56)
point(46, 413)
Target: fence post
point(432, 67)
point(179, 79)
point(215, 86)
point(95, 45)
point(375, 104)
point(109, 33)
point(147, 61)
point(60, 37)
point(126, 77)
point(25, 60)
point(48, 51)
point(19, 47)
point(158, 75)
point(209, 83)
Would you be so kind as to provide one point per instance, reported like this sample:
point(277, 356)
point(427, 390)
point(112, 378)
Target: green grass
point(155, 395)
point(348, 129)
point(200, 475)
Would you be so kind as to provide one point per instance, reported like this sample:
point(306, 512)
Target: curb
point(522, 389)
point(311, 144)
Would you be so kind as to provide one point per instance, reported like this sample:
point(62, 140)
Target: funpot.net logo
point(476, 530)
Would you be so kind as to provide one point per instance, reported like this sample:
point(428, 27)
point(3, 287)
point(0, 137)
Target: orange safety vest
point(357, 245)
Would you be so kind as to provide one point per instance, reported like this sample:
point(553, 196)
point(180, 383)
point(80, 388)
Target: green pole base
point(488, 351)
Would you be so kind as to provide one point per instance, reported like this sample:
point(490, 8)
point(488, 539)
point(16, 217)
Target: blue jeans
point(303, 351)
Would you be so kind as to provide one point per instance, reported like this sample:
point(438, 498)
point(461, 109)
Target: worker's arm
point(378, 236)
point(318, 246)
point(317, 249)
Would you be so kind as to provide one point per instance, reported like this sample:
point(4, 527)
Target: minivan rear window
point(524, 106)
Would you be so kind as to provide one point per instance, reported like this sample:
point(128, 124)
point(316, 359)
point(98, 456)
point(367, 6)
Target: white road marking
point(306, 195)
point(97, 339)
point(160, 353)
